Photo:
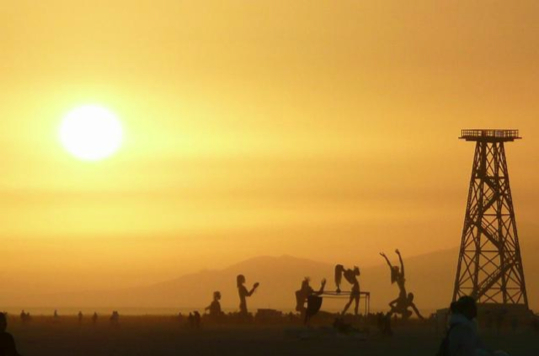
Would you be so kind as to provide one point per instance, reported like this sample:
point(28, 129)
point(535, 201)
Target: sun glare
point(91, 133)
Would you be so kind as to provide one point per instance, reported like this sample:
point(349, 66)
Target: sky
point(319, 129)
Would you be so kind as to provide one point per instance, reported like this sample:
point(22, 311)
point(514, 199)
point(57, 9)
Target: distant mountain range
point(429, 276)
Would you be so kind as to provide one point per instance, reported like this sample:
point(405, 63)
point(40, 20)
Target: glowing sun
point(91, 133)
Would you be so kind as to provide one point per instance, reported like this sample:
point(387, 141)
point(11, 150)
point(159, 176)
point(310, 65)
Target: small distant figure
point(215, 307)
point(196, 317)
point(244, 293)
point(80, 316)
point(384, 324)
point(115, 317)
point(191, 320)
point(303, 294)
point(56, 314)
point(7, 342)
point(25, 317)
point(94, 318)
point(462, 338)
point(351, 276)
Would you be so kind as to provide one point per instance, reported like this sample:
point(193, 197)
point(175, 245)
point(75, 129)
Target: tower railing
point(482, 134)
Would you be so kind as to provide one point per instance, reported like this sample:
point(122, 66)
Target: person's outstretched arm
point(255, 286)
point(322, 286)
point(387, 259)
point(400, 259)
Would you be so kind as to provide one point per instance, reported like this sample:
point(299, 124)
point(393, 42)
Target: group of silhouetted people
point(313, 299)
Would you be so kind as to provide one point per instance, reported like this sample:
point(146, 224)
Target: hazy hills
point(429, 276)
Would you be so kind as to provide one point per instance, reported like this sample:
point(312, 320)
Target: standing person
point(398, 277)
point(351, 277)
point(244, 293)
point(7, 343)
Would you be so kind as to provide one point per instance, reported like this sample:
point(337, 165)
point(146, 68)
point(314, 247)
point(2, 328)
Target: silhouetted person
point(384, 324)
point(80, 316)
point(56, 314)
point(215, 307)
point(462, 338)
point(244, 293)
point(351, 277)
point(397, 276)
point(191, 320)
point(400, 306)
point(7, 343)
point(115, 317)
point(304, 292)
point(196, 320)
point(25, 317)
point(94, 318)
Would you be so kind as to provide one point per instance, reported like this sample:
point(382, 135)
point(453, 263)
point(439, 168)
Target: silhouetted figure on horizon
point(303, 295)
point(80, 316)
point(7, 343)
point(115, 318)
point(25, 317)
point(351, 276)
point(215, 307)
point(94, 318)
point(384, 324)
point(244, 293)
point(196, 319)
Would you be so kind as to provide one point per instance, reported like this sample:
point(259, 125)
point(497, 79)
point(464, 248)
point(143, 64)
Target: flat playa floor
point(164, 336)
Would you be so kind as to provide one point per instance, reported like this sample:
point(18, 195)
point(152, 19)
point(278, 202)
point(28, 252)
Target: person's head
point(410, 297)
point(466, 306)
point(240, 279)
point(3, 322)
point(305, 282)
point(216, 295)
point(356, 271)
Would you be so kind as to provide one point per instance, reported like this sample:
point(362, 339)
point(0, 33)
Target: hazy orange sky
point(320, 129)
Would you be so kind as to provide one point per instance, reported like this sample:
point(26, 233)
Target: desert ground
point(166, 335)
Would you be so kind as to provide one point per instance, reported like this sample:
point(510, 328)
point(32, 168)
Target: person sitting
point(7, 343)
point(215, 307)
point(462, 337)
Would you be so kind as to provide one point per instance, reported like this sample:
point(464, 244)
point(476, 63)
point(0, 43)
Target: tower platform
point(489, 135)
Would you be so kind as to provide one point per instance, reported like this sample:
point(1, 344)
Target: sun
point(91, 133)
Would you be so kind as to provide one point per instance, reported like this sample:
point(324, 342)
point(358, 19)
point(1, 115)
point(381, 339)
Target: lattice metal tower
point(490, 265)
